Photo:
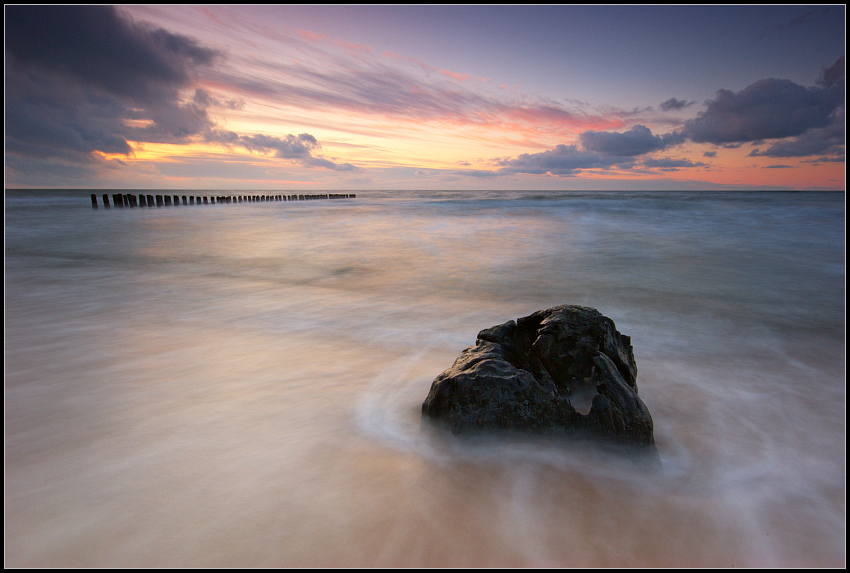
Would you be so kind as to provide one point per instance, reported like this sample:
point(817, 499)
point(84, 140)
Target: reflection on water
point(241, 385)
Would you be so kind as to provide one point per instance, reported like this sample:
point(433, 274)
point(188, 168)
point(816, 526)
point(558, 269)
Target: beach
point(240, 385)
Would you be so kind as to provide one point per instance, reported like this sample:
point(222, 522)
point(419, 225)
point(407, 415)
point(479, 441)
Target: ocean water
point(240, 385)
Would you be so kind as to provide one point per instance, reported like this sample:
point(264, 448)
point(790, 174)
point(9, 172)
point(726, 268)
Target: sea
point(240, 384)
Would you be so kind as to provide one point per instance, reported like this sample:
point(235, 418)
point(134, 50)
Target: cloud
point(833, 74)
point(668, 163)
point(289, 147)
point(675, 104)
point(299, 148)
point(636, 141)
point(83, 78)
point(601, 150)
point(480, 173)
point(824, 160)
point(805, 121)
point(455, 75)
point(328, 164)
point(86, 79)
point(767, 109)
point(794, 22)
point(824, 141)
point(404, 91)
point(96, 46)
point(562, 160)
point(206, 99)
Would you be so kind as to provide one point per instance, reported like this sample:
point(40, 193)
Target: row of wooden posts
point(129, 200)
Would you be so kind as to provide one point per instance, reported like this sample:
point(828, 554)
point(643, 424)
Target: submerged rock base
point(564, 370)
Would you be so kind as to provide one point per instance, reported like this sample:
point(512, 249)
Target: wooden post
point(142, 202)
point(93, 201)
point(184, 200)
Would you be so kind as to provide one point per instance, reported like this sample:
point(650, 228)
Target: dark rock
point(565, 370)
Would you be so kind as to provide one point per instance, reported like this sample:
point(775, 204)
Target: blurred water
point(240, 385)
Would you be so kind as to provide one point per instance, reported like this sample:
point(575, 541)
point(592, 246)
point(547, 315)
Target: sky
point(325, 98)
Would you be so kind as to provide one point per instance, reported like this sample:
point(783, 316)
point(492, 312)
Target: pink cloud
point(455, 75)
point(310, 36)
point(354, 47)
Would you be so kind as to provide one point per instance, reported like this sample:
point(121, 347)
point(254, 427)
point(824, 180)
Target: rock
point(565, 370)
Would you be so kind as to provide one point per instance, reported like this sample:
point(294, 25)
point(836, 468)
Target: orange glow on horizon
point(258, 181)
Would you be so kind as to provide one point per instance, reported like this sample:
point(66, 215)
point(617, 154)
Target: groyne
point(129, 200)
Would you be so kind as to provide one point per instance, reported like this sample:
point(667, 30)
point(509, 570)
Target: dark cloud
point(601, 150)
point(824, 160)
point(805, 121)
point(796, 21)
point(793, 22)
point(675, 104)
point(48, 172)
point(801, 19)
point(83, 78)
point(328, 164)
point(47, 118)
point(667, 163)
point(562, 160)
point(96, 46)
point(636, 141)
point(833, 74)
point(824, 141)
point(767, 109)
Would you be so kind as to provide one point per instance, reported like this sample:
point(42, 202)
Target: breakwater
point(143, 200)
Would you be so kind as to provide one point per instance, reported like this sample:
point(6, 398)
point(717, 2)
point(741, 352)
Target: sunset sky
point(329, 98)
